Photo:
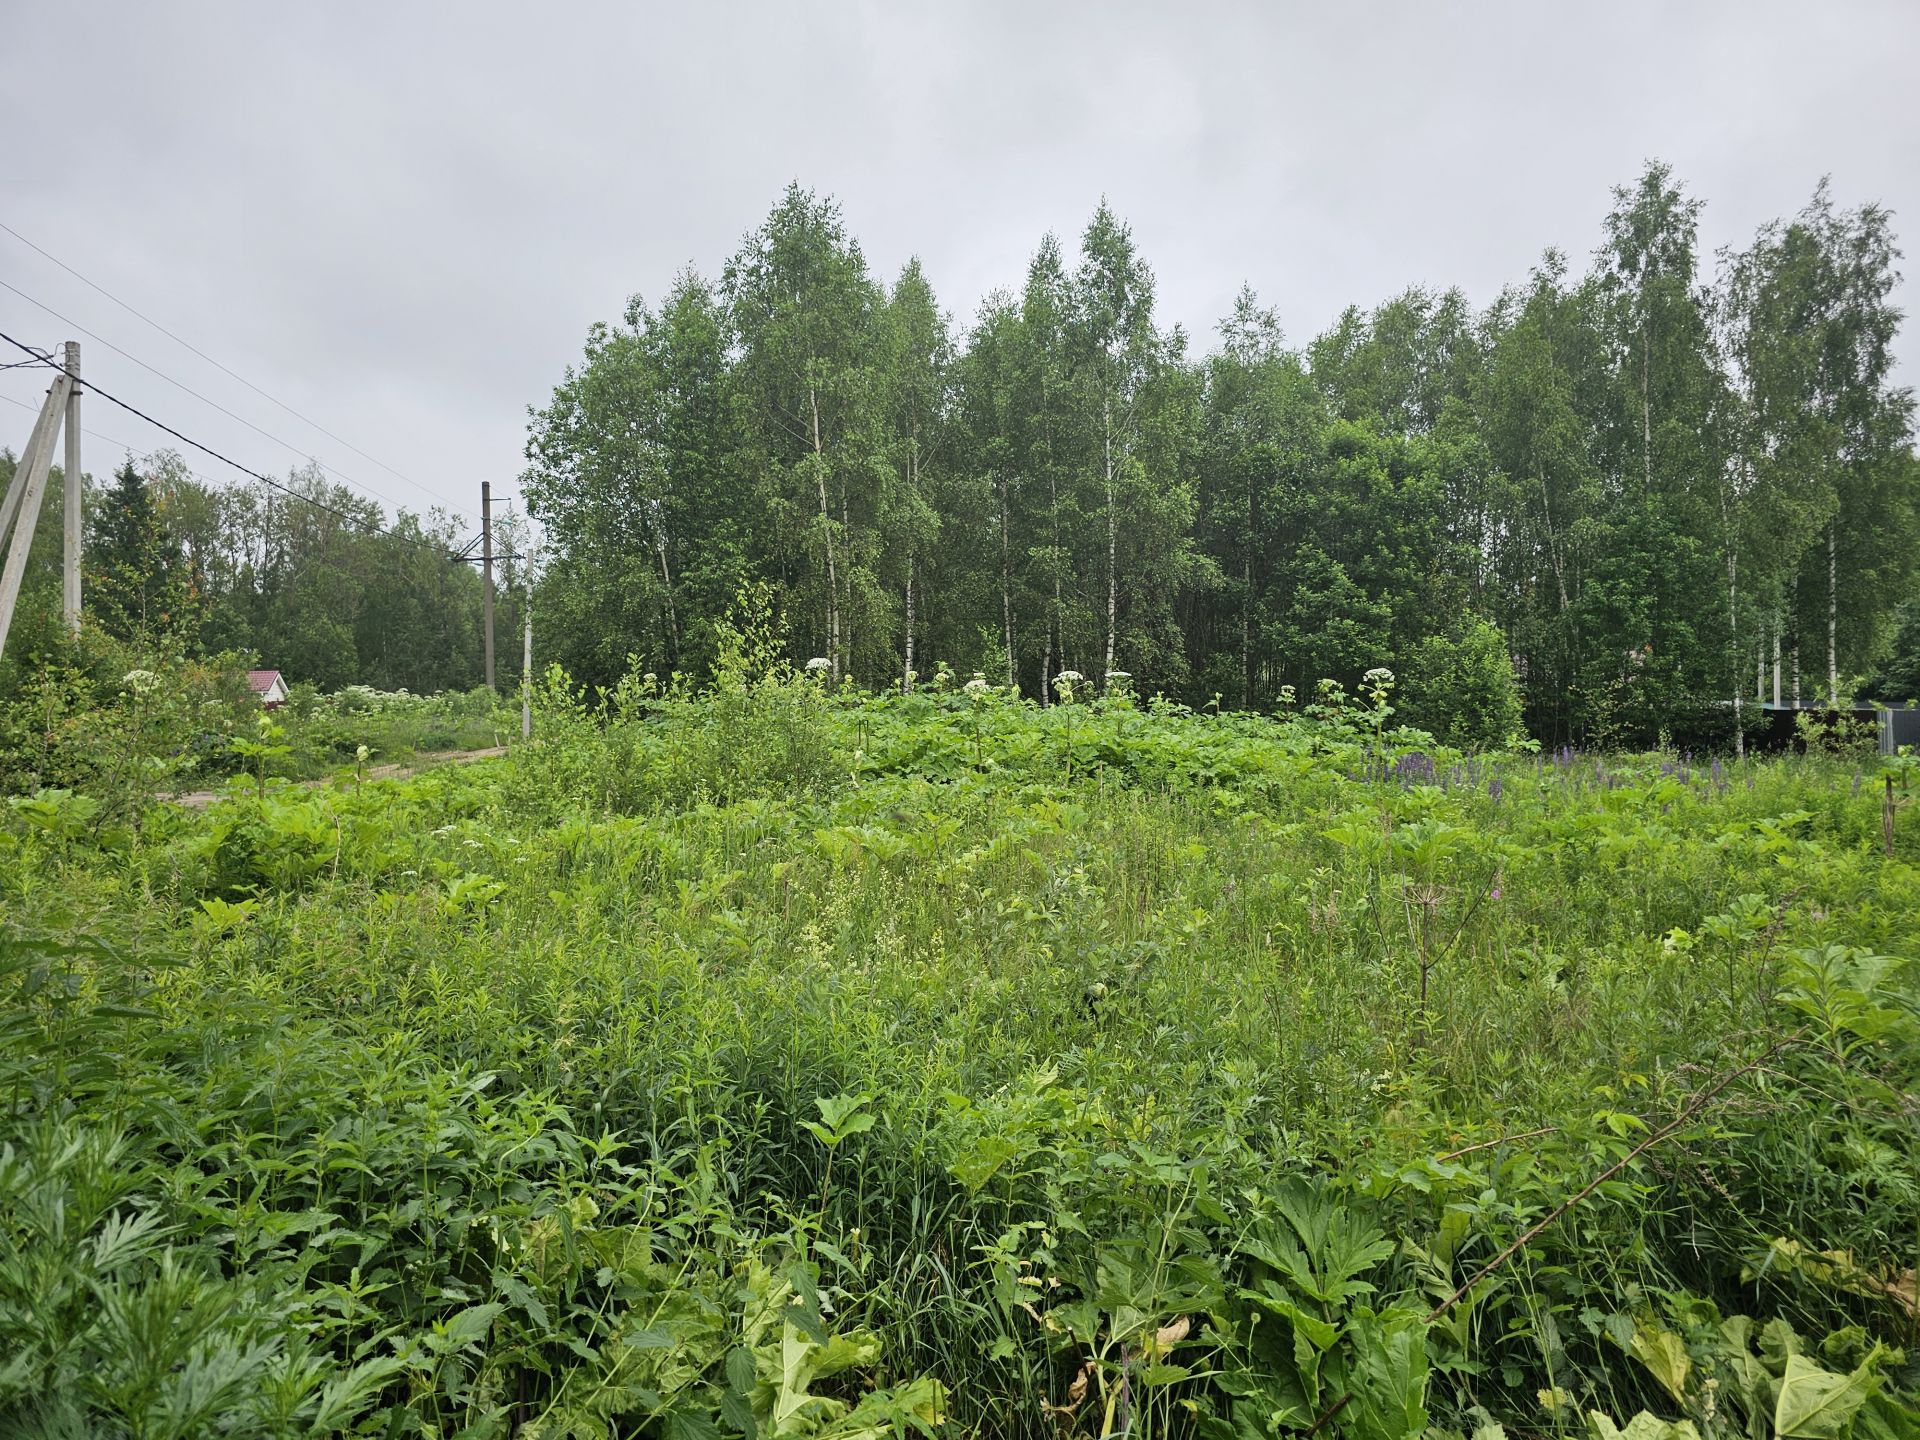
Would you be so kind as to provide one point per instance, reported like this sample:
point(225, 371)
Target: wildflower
point(142, 682)
point(978, 685)
point(1378, 675)
point(361, 754)
point(817, 664)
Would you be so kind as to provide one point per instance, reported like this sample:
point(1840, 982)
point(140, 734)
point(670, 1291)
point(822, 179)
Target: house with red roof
point(268, 685)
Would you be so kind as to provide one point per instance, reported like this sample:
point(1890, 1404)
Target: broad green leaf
point(1816, 1404)
point(1665, 1356)
point(1644, 1426)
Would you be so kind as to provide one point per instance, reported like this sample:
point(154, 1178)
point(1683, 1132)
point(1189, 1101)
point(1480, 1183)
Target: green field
point(773, 1062)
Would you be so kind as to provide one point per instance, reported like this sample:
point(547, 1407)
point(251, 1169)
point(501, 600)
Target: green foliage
point(138, 585)
point(121, 722)
point(779, 1060)
point(1643, 481)
point(1460, 686)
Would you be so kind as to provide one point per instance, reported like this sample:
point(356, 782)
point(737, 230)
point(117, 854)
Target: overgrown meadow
point(779, 1062)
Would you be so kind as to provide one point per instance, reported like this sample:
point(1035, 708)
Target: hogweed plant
point(1226, 1076)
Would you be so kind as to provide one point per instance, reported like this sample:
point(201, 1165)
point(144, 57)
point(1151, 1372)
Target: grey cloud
point(401, 219)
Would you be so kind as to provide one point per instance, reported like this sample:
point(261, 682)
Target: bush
point(1460, 686)
point(118, 721)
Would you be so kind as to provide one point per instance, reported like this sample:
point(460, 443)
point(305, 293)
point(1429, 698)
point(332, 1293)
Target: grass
point(778, 1062)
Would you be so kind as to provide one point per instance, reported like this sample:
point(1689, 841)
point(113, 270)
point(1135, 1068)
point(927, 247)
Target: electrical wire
point(93, 388)
point(214, 404)
point(188, 344)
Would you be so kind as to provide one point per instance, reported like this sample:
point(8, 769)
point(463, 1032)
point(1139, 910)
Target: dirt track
point(200, 799)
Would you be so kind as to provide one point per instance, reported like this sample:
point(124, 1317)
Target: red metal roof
point(261, 681)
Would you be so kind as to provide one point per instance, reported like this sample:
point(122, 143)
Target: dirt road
point(200, 799)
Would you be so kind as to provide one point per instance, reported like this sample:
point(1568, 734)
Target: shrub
point(1460, 686)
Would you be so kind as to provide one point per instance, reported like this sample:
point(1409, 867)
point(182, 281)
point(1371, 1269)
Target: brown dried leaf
point(1077, 1391)
point(1170, 1335)
point(1901, 1290)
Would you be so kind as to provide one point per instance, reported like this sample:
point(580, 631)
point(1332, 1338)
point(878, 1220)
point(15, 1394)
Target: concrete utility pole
point(486, 569)
point(21, 508)
point(75, 502)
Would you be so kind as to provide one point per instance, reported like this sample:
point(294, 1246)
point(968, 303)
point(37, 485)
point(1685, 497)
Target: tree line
point(309, 578)
point(1646, 488)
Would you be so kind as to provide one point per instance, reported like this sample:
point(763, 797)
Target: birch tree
point(805, 317)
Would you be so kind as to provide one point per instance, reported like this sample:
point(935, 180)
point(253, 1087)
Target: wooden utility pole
point(21, 508)
point(526, 673)
point(75, 503)
point(486, 569)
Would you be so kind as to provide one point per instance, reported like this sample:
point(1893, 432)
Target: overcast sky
point(400, 219)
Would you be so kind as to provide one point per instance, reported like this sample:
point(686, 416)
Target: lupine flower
point(1414, 767)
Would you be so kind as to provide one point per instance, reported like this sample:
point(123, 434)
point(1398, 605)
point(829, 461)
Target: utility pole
point(526, 674)
point(75, 503)
point(21, 508)
point(486, 569)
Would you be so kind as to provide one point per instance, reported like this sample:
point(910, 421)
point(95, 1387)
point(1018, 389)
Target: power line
point(179, 340)
point(215, 404)
point(93, 388)
point(84, 429)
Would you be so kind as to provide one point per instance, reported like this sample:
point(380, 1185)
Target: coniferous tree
point(138, 581)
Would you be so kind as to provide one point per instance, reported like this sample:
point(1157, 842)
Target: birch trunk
point(1006, 583)
point(913, 485)
point(906, 674)
point(1833, 618)
point(666, 579)
point(1113, 545)
point(1733, 619)
point(846, 612)
point(1646, 404)
point(1794, 642)
point(1057, 630)
point(826, 529)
